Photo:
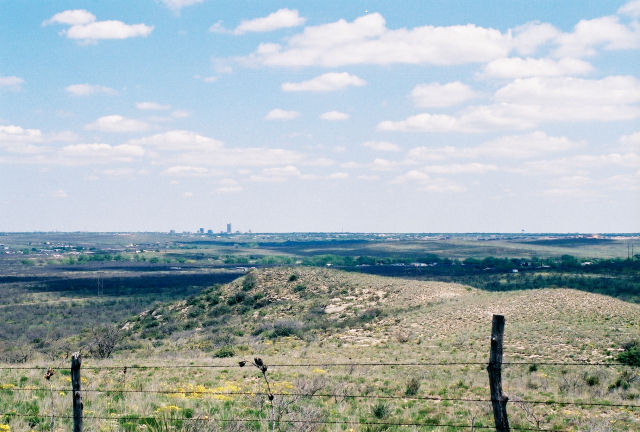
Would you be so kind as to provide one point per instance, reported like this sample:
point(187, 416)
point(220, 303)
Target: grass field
point(306, 315)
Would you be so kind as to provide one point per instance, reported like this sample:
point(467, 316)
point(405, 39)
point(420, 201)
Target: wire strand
point(262, 420)
point(327, 395)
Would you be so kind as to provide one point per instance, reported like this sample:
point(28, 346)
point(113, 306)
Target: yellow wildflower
point(168, 408)
point(7, 386)
point(319, 371)
point(5, 428)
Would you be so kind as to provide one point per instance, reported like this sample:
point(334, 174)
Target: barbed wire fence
point(497, 399)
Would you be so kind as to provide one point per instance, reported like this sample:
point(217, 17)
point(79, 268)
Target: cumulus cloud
point(152, 106)
point(117, 124)
point(367, 40)
point(185, 171)
point(529, 37)
point(326, 82)
point(427, 183)
point(280, 114)
point(334, 116)
point(441, 95)
point(71, 17)
point(187, 148)
point(100, 153)
point(11, 82)
point(516, 67)
point(631, 9)
point(84, 27)
point(524, 146)
point(179, 140)
point(604, 32)
point(610, 91)
point(469, 168)
point(15, 139)
point(527, 102)
point(176, 5)
point(384, 146)
point(282, 18)
point(89, 89)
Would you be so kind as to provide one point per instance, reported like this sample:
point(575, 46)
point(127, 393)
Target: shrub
point(631, 354)
point(249, 282)
point(299, 287)
point(293, 278)
point(380, 410)
point(591, 380)
point(413, 385)
point(225, 351)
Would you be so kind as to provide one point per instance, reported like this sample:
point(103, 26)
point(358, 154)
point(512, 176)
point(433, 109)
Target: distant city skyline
point(297, 116)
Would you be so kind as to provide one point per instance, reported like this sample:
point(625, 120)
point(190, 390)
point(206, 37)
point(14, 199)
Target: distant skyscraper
point(201, 230)
point(228, 228)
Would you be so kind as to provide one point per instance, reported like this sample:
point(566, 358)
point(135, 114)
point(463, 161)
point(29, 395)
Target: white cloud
point(530, 36)
point(580, 164)
point(384, 146)
point(176, 5)
point(88, 89)
point(380, 164)
point(338, 176)
point(283, 18)
point(441, 95)
point(516, 67)
point(524, 146)
point(631, 9)
point(179, 140)
point(186, 148)
point(334, 116)
point(604, 32)
point(71, 17)
point(15, 139)
point(469, 168)
point(286, 171)
point(100, 153)
point(185, 171)
point(152, 106)
point(331, 81)
point(507, 147)
point(367, 40)
point(610, 91)
point(117, 124)
point(427, 183)
point(280, 114)
point(11, 82)
point(84, 27)
point(527, 102)
point(108, 30)
point(423, 123)
point(228, 185)
point(63, 136)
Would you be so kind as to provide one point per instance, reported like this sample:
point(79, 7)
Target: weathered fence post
point(76, 362)
point(498, 400)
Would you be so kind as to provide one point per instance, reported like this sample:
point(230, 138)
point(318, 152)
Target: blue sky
point(379, 116)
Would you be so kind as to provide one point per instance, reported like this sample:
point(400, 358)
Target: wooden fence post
point(498, 399)
point(76, 362)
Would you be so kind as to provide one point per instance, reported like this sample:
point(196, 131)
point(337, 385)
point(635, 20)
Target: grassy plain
point(310, 315)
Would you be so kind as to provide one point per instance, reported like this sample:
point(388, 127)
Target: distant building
point(201, 230)
point(210, 232)
point(228, 228)
point(172, 232)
